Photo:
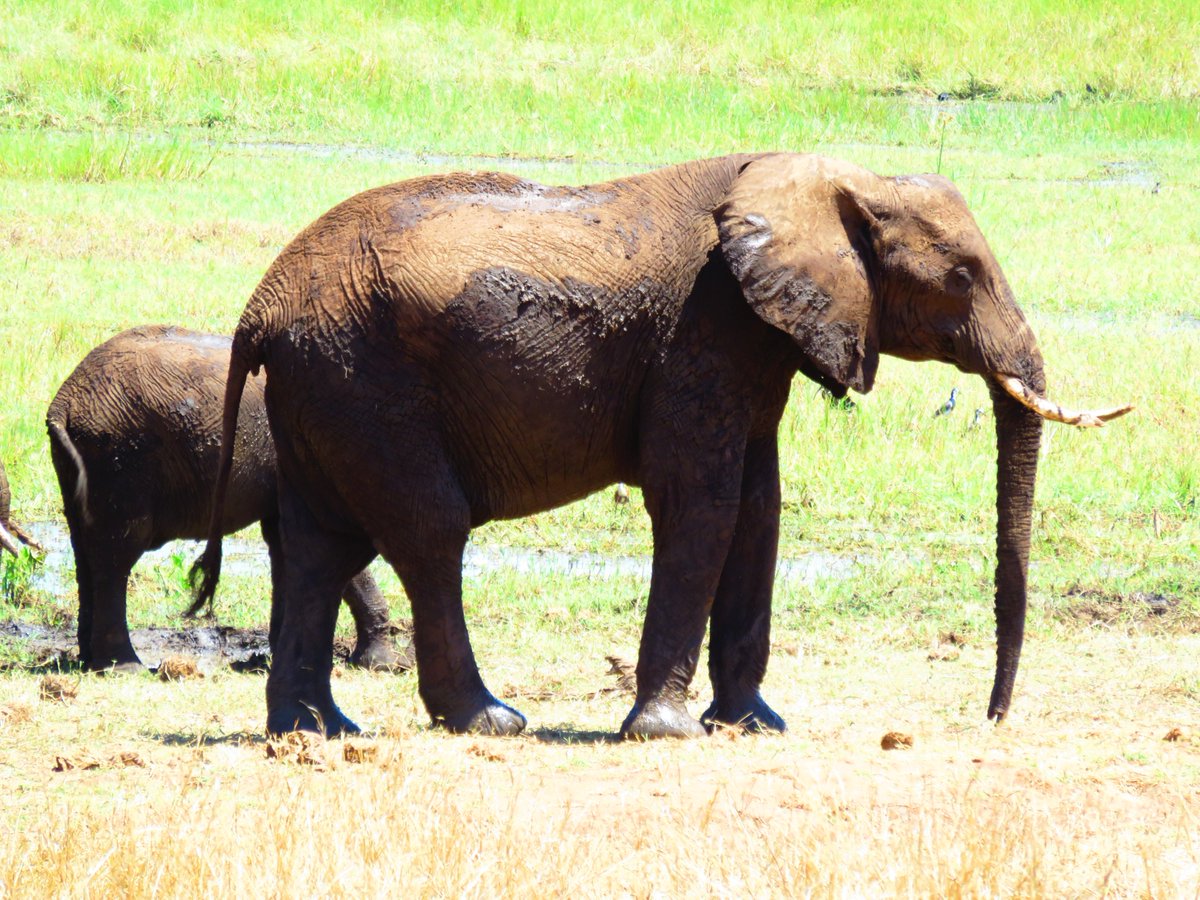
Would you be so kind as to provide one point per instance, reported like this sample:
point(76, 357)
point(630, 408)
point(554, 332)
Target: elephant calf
point(135, 433)
point(11, 535)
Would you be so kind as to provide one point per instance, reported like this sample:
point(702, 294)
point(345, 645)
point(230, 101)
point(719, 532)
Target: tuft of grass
point(98, 157)
point(17, 575)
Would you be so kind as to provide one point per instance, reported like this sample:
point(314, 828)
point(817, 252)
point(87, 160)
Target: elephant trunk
point(1018, 437)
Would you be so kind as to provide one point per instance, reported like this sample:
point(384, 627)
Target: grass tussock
point(178, 668)
point(96, 158)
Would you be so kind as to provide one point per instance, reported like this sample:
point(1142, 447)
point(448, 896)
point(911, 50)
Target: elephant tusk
point(8, 541)
point(1050, 410)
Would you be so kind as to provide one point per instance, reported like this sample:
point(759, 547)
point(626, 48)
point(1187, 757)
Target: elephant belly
point(530, 450)
point(539, 386)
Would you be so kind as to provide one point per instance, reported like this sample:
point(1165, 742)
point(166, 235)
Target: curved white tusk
point(8, 541)
point(1048, 409)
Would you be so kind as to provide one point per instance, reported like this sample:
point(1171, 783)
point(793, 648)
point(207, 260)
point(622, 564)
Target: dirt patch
point(1140, 609)
point(300, 748)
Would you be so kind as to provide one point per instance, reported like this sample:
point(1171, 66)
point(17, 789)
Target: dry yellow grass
point(1078, 794)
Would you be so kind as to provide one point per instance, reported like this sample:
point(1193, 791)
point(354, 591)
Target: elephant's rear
point(134, 431)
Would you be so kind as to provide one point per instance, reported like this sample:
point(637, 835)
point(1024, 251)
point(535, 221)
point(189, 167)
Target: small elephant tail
point(78, 496)
point(206, 571)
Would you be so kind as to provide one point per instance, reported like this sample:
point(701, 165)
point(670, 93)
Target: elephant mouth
point(1051, 411)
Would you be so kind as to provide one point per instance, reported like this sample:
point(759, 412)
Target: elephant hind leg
point(103, 576)
point(419, 520)
point(309, 570)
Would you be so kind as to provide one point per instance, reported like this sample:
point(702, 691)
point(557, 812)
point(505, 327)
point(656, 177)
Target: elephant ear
point(795, 231)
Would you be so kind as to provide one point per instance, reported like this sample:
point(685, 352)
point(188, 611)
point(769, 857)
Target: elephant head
point(852, 265)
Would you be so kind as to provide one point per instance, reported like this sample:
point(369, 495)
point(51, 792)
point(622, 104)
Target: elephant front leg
point(693, 527)
point(740, 632)
point(103, 577)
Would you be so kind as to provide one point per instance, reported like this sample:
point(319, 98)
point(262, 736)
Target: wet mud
point(44, 648)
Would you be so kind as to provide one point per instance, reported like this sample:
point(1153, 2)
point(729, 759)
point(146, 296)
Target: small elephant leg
point(313, 568)
point(740, 631)
point(87, 603)
point(373, 647)
point(103, 576)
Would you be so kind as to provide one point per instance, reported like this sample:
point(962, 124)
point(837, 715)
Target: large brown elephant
point(135, 437)
point(493, 347)
point(12, 536)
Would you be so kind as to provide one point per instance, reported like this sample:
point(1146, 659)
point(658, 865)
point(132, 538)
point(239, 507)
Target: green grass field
point(155, 157)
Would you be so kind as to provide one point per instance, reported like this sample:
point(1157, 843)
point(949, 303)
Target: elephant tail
point(206, 571)
point(77, 497)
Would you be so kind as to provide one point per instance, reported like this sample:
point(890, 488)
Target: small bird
point(975, 419)
point(621, 494)
point(948, 406)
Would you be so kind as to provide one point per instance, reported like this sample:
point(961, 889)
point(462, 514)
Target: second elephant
point(135, 432)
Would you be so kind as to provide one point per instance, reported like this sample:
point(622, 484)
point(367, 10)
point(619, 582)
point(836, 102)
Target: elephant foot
point(302, 717)
point(487, 717)
point(109, 652)
point(380, 656)
point(751, 714)
point(660, 719)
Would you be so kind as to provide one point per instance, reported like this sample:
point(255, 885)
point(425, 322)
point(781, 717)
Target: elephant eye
point(959, 280)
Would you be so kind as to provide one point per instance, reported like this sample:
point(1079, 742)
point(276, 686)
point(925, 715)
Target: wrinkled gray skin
point(459, 348)
point(134, 437)
point(11, 535)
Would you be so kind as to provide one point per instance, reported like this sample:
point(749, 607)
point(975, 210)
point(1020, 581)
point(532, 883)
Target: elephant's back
point(408, 250)
point(144, 377)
